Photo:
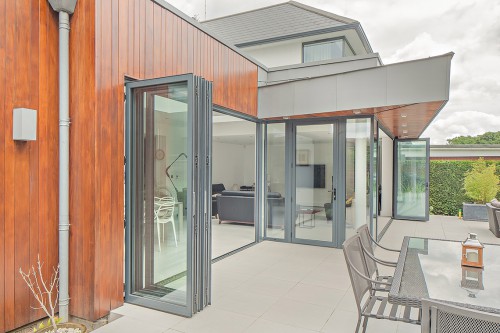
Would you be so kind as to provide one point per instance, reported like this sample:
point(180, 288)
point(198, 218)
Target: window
point(326, 49)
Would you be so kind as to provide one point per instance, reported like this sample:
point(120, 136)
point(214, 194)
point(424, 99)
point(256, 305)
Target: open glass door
point(167, 173)
point(411, 179)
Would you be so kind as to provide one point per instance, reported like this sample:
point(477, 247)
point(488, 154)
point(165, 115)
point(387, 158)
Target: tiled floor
point(278, 287)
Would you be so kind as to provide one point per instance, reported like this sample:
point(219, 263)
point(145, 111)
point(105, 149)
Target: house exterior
point(319, 128)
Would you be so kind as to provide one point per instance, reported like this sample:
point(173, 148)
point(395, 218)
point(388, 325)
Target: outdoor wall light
point(403, 115)
point(24, 124)
point(405, 132)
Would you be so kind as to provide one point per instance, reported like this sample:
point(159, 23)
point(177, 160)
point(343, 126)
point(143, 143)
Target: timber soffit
point(298, 20)
point(197, 25)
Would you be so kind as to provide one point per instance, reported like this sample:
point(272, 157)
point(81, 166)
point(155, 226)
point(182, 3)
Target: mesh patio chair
point(372, 261)
point(439, 317)
point(164, 213)
point(370, 305)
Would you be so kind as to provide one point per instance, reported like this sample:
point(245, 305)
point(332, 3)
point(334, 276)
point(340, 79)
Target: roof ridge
point(321, 12)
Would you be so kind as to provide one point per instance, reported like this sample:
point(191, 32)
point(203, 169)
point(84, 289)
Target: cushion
point(495, 203)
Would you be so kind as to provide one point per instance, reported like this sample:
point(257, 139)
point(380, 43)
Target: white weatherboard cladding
point(418, 81)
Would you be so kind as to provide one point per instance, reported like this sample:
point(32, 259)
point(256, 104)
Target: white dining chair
point(164, 213)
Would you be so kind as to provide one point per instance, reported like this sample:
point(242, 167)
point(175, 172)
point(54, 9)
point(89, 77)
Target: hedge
point(446, 186)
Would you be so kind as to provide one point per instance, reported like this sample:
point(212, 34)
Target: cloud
point(452, 124)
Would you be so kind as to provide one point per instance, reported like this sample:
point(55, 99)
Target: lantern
point(472, 280)
point(472, 252)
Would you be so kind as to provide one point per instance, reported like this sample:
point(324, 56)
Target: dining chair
point(372, 262)
point(369, 304)
point(439, 317)
point(164, 213)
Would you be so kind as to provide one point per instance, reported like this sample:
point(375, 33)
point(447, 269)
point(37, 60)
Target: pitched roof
point(285, 19)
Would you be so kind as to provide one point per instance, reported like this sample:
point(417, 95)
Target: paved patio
point(277, 287)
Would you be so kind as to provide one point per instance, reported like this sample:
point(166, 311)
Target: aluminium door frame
point(259, 175)
point(395, 178)
point(131, 166)
point(339, 151)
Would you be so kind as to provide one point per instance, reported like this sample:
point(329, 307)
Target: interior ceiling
point(403, 121)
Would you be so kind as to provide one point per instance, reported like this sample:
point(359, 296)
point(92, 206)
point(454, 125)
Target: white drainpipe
point(65, 8)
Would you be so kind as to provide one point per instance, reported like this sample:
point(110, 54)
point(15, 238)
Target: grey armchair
point(493, 216)
point(439, 317)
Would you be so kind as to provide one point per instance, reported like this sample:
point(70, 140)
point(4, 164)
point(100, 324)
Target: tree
point(481, 183)
point(492, 138)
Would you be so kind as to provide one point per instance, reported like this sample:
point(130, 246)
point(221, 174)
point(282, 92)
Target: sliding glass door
point(167, 175)
point(411, 179)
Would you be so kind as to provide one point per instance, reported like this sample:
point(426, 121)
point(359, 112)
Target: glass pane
point(412, 178)
point(159, 237)
point(374, 184)
point(275, 186)
point(314, 175)
point(323, 50)
point(233, 183)
point(357, 203)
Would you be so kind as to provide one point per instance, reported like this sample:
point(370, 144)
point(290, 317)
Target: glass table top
point(433, 270)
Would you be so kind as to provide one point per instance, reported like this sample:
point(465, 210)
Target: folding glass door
point(411, 179)
point(167, 207)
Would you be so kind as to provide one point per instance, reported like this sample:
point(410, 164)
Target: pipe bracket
point(64, 122)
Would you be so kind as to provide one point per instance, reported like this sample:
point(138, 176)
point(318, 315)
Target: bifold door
point(411, 179)
point(168, 168)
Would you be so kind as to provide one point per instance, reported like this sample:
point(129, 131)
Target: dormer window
point(326, 49)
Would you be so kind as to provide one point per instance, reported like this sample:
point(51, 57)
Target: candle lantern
point(472, 252)
point(472, 280)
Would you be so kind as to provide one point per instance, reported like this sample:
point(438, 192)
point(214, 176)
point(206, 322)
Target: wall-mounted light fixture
point(24, 124)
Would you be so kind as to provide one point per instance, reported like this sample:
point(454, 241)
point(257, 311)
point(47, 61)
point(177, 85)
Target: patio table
point(431, 268)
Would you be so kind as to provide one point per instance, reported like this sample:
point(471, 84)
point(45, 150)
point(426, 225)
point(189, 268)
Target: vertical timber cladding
point(110, 39)
point(28, 170)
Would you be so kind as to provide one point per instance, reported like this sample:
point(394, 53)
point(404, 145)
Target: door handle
point(334, 194)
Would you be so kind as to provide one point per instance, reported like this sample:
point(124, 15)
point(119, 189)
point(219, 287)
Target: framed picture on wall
point(302, 156)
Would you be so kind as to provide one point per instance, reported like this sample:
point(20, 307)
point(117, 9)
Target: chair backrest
point(439, 317)
point(356, 266)
point(366, 241)
point(164, 207)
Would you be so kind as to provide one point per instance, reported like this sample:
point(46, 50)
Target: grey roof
point(268, 23)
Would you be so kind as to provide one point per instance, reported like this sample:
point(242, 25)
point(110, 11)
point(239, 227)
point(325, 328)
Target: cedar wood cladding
point(108, 40)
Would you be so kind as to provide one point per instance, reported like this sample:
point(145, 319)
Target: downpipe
point(64, 123)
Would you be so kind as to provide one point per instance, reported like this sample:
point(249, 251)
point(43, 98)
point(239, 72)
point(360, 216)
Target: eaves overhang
point(405, 97)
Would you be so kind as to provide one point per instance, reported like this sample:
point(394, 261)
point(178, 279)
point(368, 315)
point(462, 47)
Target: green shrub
point(446, 185)
point(481, 183)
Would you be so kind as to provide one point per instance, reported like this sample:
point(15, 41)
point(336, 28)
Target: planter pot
point(475, 212)
point(66, 327)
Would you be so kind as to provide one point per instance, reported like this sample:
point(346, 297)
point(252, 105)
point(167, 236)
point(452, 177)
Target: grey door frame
point(197, 181)
point(396, 176)
point(338, 206)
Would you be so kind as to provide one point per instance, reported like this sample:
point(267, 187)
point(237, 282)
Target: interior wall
point(227, 163)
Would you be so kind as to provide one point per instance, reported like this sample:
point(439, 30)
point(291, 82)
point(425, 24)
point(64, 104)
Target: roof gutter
point(65, 9)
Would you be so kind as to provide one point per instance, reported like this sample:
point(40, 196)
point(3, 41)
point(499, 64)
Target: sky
point(402, 30)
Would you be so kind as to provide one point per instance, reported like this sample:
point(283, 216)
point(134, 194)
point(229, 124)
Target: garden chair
point(439, 317)
point(368, 304)
point(371, 261)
